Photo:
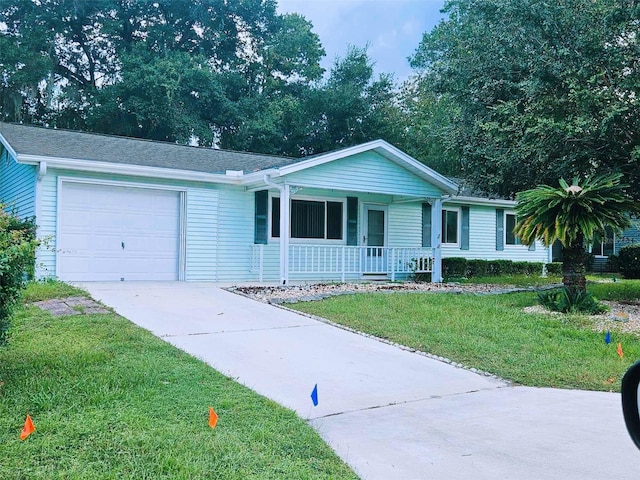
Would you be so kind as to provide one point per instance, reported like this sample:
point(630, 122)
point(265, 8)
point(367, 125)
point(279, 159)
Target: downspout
point(284, 228)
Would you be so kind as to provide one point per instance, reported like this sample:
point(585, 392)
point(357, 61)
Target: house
point(113, 208)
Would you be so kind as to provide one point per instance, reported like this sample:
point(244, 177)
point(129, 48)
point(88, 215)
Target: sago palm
point(572, 214)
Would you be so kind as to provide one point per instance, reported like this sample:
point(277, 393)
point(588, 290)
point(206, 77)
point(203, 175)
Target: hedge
point(17, 261)
point(462, 267)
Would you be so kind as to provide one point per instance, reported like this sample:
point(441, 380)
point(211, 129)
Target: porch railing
point(346, 260)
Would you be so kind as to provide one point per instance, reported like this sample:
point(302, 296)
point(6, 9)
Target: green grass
point(110, 401)
point(492, 333)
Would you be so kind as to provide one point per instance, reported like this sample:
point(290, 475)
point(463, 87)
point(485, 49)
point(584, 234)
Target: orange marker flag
point(213, 417)
point(620, 352)
point(28, 428)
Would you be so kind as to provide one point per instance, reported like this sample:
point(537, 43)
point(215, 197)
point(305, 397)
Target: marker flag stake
point(28, 428)
point(620, 352)
point(314, 396)
point(607, 338)
point(213, 417)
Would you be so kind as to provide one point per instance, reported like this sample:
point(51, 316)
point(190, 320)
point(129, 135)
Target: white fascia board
point(127, 169)
point(491, 202)
point(6, 144)
point(258, 177)
point(386, 150)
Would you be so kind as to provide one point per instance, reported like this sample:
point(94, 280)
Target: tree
point(572, 214)
point(541, 89)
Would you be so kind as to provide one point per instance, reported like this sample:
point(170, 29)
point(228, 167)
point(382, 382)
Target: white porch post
point(436, 240)
point(284, 234)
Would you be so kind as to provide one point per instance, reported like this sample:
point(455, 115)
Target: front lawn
point(492, 333)
point(111, 401)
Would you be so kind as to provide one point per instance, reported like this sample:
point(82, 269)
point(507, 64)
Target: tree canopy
point(539, 90)
point(231, 74)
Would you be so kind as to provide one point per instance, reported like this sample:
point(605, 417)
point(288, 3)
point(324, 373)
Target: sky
point(392, 28)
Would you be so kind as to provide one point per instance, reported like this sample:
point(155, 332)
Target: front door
point(374, 239)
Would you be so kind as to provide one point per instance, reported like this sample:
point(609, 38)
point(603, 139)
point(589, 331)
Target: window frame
point(518, 242)
point(458, 226)
point(307, 198)
point(602, 243)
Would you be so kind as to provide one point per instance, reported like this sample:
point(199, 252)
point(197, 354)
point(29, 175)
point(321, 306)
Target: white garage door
point(108, 233)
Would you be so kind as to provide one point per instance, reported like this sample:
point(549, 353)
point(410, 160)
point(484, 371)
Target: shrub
point(554, 269)
point(567, 301)
point(629, 261)
point(477, 268)
point(613, 264)
point(17, 261)
point(454, 267)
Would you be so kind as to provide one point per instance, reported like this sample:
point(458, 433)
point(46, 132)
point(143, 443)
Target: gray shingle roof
point(47, 142)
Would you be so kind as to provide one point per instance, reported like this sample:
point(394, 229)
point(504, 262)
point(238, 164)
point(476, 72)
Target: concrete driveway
point(389, 413)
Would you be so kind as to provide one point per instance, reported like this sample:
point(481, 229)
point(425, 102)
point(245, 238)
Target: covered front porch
point(365, 212)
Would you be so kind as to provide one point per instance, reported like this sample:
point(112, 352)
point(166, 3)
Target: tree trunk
point(573, 269)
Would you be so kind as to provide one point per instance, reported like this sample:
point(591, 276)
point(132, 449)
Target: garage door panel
point(95, 222)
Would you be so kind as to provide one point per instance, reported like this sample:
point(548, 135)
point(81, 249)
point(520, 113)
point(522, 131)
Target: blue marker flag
point(607, 338)
point(314, 396)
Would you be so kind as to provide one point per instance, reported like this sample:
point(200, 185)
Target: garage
point(117, 233)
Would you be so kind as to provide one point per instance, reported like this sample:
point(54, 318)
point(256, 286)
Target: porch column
point(284, 234)
point(436, 240)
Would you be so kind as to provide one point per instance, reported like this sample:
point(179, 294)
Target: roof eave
point(128, 169)
point(492, 202)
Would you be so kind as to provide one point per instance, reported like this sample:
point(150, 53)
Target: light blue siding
point(365, 172)
point(628, 237)
point(201, 212)
point(201, 234)
point(405, 224)
point(482, 240)
point(235, 234)
point(17, 186)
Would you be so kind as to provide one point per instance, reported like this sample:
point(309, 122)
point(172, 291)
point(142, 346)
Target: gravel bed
point(318, 291)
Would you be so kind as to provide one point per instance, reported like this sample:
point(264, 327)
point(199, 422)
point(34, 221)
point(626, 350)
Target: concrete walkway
point(389, 413)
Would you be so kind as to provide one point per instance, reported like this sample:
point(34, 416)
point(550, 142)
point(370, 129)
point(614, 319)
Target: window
point(311, 219)
point(510, 226)
point(450, 226)
point(603, 245)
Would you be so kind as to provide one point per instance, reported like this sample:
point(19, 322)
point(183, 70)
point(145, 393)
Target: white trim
point(490, 202)
point(504, 234)
point(10, 149)
point(128, 169)
point(458, 227)
point(115, 183)
point(315, 241)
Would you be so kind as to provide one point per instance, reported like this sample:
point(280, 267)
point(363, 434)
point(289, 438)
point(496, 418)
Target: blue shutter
point(352, 221)
point(499, 229)
point(261, 217)
point(426, 225)
point(464, 235)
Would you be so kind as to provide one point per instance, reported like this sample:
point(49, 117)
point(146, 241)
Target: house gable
point(367, 171)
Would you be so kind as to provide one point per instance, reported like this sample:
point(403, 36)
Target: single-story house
point(117, 209)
